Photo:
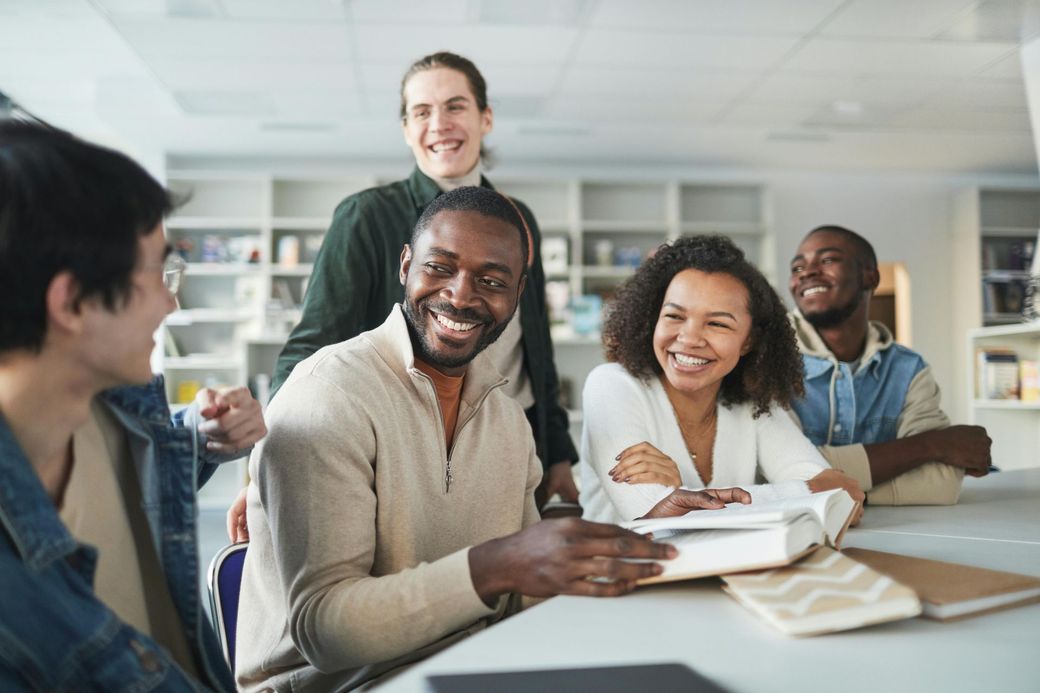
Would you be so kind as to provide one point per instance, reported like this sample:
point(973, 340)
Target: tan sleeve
point(316, 482)
point(933, 483)
point(851, 459)
point(534, 477)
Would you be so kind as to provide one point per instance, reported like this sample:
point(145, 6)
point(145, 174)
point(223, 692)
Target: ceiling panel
point(896, 18)
point(295, 11)
point(231, 40)
point(768, 115)
point(486, 46)
point(266, 74)
point(421, 12)
point(895, 58)
point(714, 84)
point(978, 94)
point(500, 79)
point(635, 109)
point(714, 16)
point(997, 20)
point(982, 121)
point(787, 86)
point(317, 104)
point(604, 47)
point(1009, 67)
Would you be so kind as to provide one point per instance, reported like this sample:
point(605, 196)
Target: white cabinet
point(250, 240)
point(1014, 425)
point(607, 227)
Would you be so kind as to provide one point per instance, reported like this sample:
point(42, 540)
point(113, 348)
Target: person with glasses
point(99, 566)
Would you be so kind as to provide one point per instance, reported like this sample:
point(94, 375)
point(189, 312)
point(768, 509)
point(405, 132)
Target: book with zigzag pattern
point(823, 593)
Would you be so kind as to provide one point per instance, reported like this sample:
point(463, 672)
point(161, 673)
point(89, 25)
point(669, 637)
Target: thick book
point(951, 590)
point(824, 593)
point(748, 537)
point(659, 678)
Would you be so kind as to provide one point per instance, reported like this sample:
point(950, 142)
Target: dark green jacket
point(355, 284)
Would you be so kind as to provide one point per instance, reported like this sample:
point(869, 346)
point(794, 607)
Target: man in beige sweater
point(871, 404)
point(391, 509)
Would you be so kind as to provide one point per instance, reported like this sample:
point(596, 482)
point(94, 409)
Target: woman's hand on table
point(644, 464)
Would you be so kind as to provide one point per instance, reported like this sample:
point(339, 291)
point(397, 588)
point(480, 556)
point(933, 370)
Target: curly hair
point(771, 371)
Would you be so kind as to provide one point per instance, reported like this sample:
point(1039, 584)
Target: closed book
point(952, 590)
point(748, 537)
point(823, 593)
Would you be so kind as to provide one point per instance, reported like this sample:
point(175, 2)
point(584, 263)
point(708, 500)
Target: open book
point(739, 537)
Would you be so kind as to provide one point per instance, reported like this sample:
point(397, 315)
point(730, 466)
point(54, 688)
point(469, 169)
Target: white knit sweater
point(621, 410)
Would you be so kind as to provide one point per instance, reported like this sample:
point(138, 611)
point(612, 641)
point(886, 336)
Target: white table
point(996, 525)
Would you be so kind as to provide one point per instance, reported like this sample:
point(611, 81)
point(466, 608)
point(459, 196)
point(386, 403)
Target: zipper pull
point(448, 478)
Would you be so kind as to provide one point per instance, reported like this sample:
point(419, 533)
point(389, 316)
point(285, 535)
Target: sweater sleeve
point(338, 290)
point(616, 416)
point(786, 458)
point(932, 483)
point(316, 478)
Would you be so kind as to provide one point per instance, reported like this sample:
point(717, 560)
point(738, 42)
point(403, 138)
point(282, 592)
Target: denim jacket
point(55, 635)
point(842, 407)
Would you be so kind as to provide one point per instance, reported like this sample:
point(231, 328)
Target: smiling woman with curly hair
point(704, 362)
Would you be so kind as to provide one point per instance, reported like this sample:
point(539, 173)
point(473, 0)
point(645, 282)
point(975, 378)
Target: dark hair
point(864, 250)
point(771, 372)
point(66, 205)
point(482, 201)
point(451, 61)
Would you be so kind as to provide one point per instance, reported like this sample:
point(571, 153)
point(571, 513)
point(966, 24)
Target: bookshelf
point(262, 230)
point(1013, 424)
point(1009, 220)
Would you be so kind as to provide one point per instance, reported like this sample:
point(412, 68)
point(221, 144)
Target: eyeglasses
point(173, 272)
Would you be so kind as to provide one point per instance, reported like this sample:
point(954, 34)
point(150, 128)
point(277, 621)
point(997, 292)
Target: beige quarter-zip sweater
point(361, 520)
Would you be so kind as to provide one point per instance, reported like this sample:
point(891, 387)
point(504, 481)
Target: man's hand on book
point(681, 501)
point(568, 556)
point(830, 479)
point(642, 463)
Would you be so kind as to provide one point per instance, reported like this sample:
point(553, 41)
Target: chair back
point(225, 582)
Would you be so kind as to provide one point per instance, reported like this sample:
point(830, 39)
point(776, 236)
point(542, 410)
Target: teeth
point(443, 147)
point(684, 360)
point(457, 326)
point(814, 290)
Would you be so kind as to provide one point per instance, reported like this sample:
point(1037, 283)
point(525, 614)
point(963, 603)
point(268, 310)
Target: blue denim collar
point(817, 366)
point(26, 511)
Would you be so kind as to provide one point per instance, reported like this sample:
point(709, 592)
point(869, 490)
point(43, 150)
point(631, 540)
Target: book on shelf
point(825, 592)
point(996, 373)
point(739, 537)
point(950, 590)
point(1029, 380)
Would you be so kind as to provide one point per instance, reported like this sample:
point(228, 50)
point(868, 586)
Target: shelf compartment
point(311, 197)
point(714, 204)
point(1006, 404)
point(645, 203)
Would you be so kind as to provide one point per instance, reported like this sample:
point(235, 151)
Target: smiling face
point(829, 282)
point(703, 329)
point(462, 281)
point(117, 343)
point(443, 124)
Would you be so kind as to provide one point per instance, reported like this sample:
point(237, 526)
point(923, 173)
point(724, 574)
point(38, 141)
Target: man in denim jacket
point(85, 284)
point(871, 404)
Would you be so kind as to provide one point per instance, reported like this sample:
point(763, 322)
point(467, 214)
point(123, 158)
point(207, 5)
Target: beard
point(414, 311)
point(832, 317)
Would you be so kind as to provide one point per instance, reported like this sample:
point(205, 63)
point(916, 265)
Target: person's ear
point(871, 278)
point(487, 121)
point(746, 346)
point(520, 288)
point(406, 263)
point(64, 307)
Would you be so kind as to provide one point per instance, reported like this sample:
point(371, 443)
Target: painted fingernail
point(657, 569)
point(618, 456)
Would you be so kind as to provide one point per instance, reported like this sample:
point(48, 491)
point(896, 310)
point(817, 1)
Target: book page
point(829, 508)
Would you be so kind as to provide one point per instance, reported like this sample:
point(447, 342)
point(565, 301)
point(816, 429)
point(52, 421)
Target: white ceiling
point(890, 84)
